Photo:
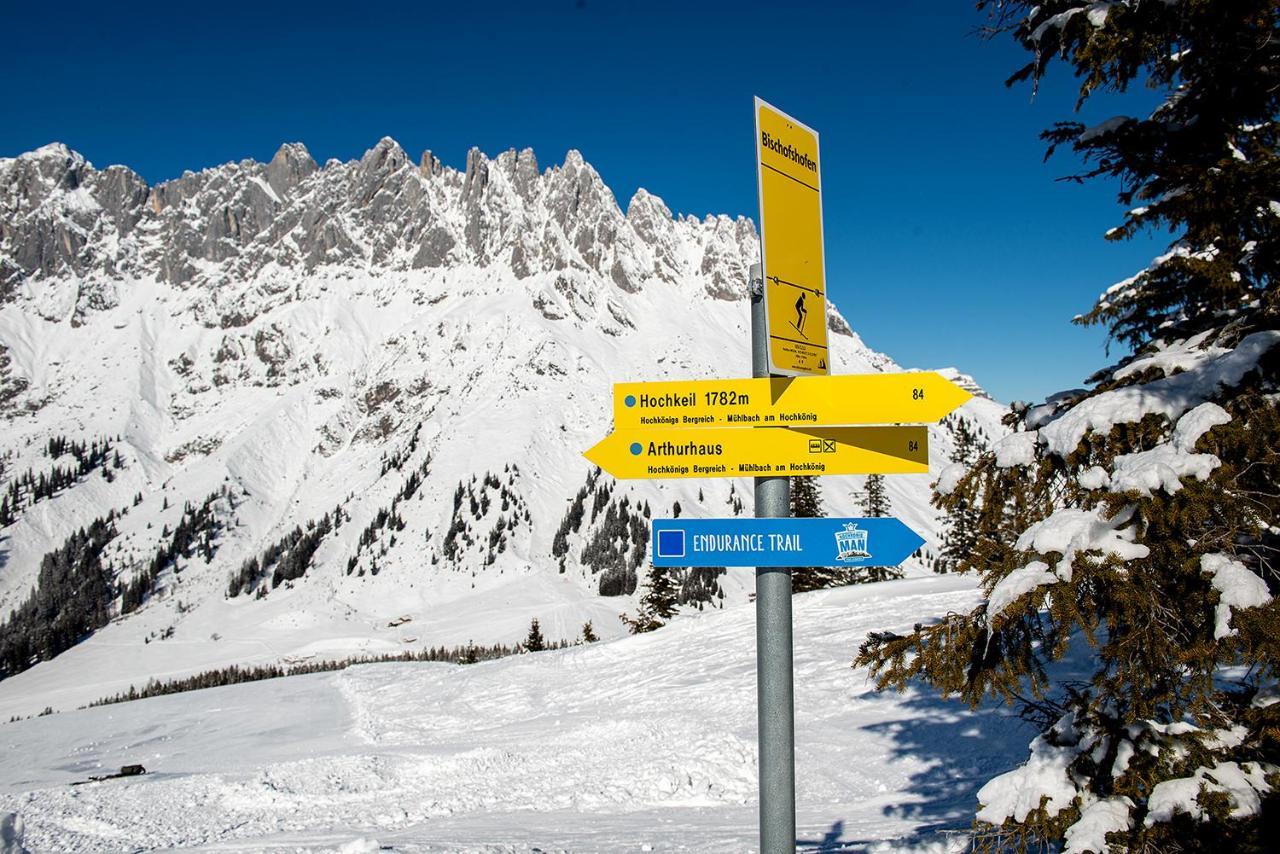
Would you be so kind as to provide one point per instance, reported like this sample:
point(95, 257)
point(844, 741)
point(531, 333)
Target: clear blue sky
point(948, 240)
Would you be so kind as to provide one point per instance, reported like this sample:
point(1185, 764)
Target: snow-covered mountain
point(356, 397)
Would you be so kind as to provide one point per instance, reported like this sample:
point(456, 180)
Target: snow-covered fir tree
point(1136, 521)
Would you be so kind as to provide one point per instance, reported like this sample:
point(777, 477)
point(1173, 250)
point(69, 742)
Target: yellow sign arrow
point(918, 397)
point(732, 452)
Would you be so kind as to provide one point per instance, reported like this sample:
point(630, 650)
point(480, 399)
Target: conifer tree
point(589, 633)
point(875, 501)
point(657, 606)
point(1138, 518)
point(806, 503)
point(534, 641)
point(959, 538)
point(806, 500)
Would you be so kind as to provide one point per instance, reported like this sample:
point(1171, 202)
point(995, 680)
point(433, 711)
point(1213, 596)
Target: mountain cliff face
point(337, 398)
point(269, 223)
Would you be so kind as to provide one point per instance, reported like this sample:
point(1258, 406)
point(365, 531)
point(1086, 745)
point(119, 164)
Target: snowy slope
point(282, 332)
point(641, 741)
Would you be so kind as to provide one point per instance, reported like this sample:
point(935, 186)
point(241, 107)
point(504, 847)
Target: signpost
point(775, 691)
point(736, 452)
point(789, 419)
point(788, 170)
point(902, 398)
point(781, 542)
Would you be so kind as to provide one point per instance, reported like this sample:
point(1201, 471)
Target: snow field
point(642, 741)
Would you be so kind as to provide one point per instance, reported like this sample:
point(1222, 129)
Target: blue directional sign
point(781, 542)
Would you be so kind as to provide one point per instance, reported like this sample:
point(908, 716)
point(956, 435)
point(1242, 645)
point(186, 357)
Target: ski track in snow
point(642, 741)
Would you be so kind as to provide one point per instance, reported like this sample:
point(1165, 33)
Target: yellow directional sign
point(917, 397)
point(795, 290)
point(734, 452)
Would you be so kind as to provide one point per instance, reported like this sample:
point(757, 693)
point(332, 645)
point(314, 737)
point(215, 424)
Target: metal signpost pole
point(775, 699)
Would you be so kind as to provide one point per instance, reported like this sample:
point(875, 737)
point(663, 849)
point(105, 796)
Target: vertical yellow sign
point(795, 289)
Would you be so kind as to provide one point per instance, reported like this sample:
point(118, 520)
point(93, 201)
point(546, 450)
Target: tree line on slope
point(236, 674)
point(72, 597)
point(286, 559)
point(76, 591)
point(195, 533)
point(472, 500)
point(960, 523)
point(30, 488)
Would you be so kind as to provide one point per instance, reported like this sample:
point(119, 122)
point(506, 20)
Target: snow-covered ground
point(644, 743)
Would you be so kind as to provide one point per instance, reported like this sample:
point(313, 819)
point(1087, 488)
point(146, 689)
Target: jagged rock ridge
point(59, 216)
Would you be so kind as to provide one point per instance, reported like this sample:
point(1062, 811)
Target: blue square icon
point(671, 543)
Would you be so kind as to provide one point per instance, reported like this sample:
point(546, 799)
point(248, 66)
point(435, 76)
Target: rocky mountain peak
point(289, 167)
point(385, 158)
point(476, 176)
point(49, 168)
point(429, 165)
point(521, 169)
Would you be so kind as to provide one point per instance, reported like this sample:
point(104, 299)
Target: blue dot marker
point(636, 449)
point(631, 400)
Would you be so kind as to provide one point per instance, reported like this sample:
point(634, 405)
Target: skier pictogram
point(801, 314)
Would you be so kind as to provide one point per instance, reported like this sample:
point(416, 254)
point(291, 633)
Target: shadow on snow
point(960, 749)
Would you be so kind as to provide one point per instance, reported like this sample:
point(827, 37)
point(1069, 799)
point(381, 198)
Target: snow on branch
point(949, 478)
point(1067, 532)
point(1174, 357)
point(1044, 780)
point(1165, 465)
point(1071, 531)
point(1125, 288)
point(1243, 784)
point(1017, 584)
point(1089, 833)
point(1170, 396)
point(1016, 449)
point(1056, 22)
point(1237, 588)
point(1110, 126)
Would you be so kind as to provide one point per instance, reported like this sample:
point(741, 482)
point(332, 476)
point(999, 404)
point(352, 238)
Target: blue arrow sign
point(781, 542)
